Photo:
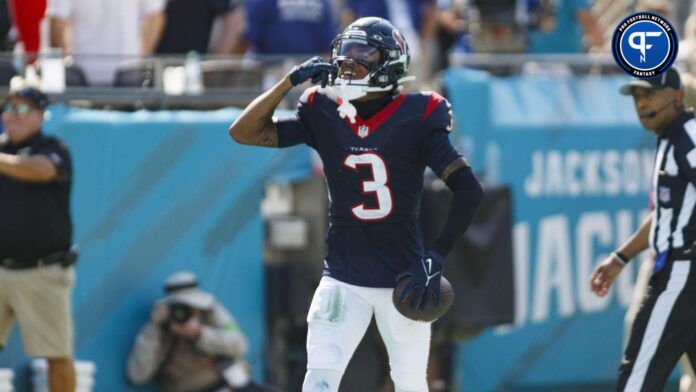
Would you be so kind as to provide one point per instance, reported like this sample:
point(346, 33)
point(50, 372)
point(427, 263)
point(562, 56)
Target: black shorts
point(664, 329)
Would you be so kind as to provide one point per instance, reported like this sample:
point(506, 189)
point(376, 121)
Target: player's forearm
point(466, 198)
point(30, 169)
point(255, 124)
point(639, 241)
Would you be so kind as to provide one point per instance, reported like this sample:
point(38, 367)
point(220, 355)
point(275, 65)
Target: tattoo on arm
point(268, 135)
point(454, 165)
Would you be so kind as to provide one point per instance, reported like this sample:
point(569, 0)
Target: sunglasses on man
point(20, 109)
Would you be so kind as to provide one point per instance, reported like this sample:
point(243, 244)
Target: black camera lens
point(179, 313)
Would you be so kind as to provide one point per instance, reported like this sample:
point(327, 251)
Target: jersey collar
point(364, 128)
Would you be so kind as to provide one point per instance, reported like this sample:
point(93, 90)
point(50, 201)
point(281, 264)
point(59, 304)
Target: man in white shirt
point(101, 33)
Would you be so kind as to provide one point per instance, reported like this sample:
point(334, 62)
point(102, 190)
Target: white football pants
point(338, 318)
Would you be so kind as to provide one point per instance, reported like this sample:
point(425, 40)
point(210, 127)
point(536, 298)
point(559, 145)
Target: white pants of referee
point(664, 329)
point(338, 318)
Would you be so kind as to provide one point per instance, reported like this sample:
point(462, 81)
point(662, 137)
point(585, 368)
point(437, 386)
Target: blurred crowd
point(100, 34)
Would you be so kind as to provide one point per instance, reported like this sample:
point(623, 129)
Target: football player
point(375, 143)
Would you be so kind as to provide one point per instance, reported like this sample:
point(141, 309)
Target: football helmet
point(378, 46)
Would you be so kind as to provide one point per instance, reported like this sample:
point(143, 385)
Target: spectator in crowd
point(190, 23)
point(36, 272)
point(455, 21)
point(687, 46)
point(289, 27)
point(102, 32)
point(190, 343)
point(6, 39)
point(27, 16)
point(415, 19)
point(661, 7)
point(561, 26)
point(687, 56)
point(281, 27)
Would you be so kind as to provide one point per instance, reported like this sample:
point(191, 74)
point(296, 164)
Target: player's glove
point(315, 69)
point(425, 280)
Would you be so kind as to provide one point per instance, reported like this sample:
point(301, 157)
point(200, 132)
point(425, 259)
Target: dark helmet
point(376, 44)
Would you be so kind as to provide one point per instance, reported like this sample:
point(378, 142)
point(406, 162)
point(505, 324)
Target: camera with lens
point(179, 313)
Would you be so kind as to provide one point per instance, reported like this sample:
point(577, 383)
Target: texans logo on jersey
point(399, 40)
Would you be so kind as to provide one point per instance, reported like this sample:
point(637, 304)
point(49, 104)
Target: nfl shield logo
point(663, 194)
point(363, 131)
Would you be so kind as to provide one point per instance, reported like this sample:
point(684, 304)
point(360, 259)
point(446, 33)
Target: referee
point(665, 326)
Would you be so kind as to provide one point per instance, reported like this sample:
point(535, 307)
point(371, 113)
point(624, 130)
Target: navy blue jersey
point(374, 170)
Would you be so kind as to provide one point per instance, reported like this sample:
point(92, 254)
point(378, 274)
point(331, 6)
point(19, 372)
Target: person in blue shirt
point(289, 27)
point(417, 10)
point(562, 29)
point(375, 144)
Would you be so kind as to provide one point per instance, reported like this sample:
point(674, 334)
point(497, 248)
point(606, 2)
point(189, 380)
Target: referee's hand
point(604, 275)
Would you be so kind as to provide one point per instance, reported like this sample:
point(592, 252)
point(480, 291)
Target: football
point(431, 312)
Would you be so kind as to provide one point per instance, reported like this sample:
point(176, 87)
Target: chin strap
point(347, 109)
point(349, 90)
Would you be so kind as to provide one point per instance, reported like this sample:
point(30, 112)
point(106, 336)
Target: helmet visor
point(358, 51)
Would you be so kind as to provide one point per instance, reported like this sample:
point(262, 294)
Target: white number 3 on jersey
point(377, 185)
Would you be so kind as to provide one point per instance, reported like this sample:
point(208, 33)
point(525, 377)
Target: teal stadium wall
point(155, 193)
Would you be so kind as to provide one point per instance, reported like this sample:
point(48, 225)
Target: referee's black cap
point(669, 78)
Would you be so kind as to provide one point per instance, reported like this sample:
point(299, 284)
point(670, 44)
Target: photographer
point(191, 343)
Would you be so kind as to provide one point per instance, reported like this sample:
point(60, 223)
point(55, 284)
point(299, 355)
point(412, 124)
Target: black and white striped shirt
point(674, 188)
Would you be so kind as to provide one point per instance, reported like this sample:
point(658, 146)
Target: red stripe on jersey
point(370, 125)
point(310, 98)
point(435, 100)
